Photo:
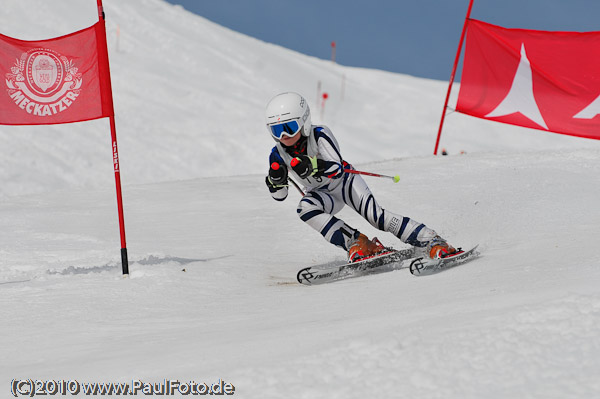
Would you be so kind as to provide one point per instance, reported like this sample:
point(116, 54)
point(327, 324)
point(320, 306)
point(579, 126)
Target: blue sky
point(416, 37)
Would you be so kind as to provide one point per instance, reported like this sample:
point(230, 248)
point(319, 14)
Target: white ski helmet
point(287, 114)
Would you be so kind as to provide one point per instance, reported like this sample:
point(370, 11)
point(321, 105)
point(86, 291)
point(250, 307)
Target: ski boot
point(438, 248)
point(362, 248)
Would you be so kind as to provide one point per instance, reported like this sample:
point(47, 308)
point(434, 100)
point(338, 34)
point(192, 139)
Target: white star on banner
point(590, 111)
point(520, 97)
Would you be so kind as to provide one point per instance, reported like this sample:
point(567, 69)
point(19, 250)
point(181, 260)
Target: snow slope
point(211, 293)
point(190, 97)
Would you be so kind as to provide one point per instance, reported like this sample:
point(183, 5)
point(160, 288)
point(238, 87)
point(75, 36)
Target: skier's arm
point(276, 179)
point(331, 165)
point(328, 163)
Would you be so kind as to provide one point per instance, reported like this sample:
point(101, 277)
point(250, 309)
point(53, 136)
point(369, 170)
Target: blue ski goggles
point(289, 128)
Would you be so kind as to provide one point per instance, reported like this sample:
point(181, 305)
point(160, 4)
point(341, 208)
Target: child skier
point(311, 155)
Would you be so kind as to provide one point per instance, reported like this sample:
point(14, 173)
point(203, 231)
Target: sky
point(419, 38)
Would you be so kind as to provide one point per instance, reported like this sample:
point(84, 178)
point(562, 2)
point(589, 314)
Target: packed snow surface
point(212, 294)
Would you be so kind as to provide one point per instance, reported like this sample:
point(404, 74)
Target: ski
point(387, 261)
point(424, 267)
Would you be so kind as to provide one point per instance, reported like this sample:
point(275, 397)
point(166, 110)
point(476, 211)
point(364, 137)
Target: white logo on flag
point(43, 82)
point(520, 97)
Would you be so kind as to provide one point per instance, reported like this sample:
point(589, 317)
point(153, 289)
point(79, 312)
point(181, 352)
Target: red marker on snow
point(333, 51)
point(325, 96)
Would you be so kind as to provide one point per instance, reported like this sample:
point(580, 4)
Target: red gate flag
point(60, 80)
point(537, 79)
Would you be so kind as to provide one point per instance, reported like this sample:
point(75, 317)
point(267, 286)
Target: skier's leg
point(357, 194)
point(317, 209)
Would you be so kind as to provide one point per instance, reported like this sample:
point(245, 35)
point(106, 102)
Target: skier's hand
point(305, 166)
point(277, 178)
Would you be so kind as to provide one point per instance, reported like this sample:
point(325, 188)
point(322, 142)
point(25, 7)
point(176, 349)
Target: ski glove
point(277, 178)
point(305, 166)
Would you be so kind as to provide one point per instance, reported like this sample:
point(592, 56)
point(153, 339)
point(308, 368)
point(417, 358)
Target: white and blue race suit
point(331, 188)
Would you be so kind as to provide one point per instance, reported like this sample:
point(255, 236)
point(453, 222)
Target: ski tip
point(305, 276)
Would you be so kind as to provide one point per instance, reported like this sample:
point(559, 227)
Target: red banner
point(537, 79)
point(59, 80)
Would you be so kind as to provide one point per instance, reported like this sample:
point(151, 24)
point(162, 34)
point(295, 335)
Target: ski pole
point(396, 178)
point(296, 185)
